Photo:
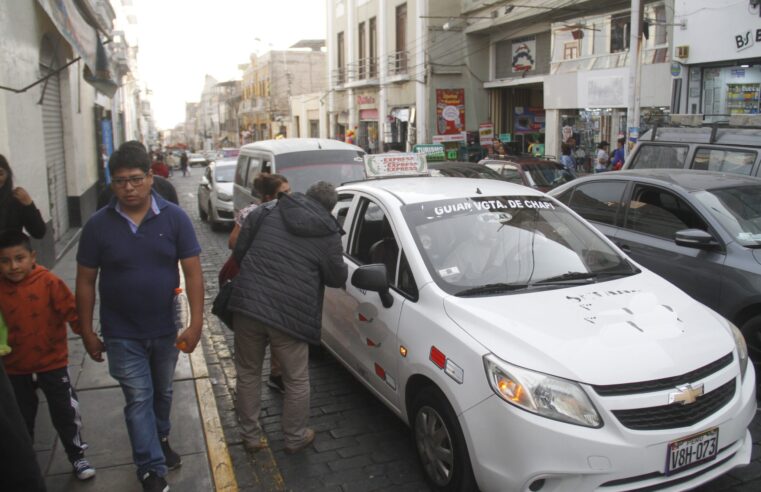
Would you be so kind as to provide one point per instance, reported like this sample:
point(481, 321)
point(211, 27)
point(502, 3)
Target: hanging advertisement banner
point(524, 55)
point(529, 120)
point(486, 133)
point(450, 111)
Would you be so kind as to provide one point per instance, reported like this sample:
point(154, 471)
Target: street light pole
point(635, 44)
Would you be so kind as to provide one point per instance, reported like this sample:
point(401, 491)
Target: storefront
point(718, 75)
point(367, 130)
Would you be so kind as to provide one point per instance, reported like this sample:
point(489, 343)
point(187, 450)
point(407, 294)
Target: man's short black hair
point(131, 154)
point(323, 193)
point(11, 239)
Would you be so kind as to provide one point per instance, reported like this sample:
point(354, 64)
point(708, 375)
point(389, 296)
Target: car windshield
point(738, 210)
point(334, 166)
point(547, 175)
point(482, 245)
point(225, 174)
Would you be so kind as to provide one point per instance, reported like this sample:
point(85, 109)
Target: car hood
point(224, 188)
point(636, 328)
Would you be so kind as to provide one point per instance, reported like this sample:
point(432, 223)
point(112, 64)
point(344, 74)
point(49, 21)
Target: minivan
point(303, 161)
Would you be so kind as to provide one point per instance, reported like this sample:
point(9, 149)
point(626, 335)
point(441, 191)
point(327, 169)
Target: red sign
point(450, 111)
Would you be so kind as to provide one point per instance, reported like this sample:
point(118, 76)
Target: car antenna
point(478, 190)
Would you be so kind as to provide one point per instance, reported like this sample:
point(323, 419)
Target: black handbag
point(221, 305)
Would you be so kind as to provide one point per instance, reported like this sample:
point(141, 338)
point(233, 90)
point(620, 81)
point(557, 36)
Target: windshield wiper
point(567, 276)
point(491, 289)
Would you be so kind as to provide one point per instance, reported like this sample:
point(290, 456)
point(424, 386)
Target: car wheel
point(751, 330)
point(202, 213)
point(440, 443)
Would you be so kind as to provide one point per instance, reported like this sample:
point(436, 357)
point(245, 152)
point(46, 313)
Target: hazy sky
point(180, 41)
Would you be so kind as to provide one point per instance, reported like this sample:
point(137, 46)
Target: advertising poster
point(529, 120)
point(524, 55)
point(486, 133)
point(450, 111)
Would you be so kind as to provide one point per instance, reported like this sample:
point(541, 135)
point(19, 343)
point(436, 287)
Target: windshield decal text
point(480, 205)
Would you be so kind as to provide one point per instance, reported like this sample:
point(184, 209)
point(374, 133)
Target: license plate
point(692, 450)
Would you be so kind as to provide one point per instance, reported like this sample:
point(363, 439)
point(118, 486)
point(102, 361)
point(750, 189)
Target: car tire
point(202, 213)
point(751, 330)
point(436, 429)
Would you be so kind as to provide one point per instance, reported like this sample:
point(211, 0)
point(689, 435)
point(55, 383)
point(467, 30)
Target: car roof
point(432, 188)
point(520, 160)
point(688, 179)
point(286, 145)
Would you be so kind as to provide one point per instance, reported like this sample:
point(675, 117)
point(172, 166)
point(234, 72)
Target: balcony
point(657, 54)
point(365, 71)
point(397, 64)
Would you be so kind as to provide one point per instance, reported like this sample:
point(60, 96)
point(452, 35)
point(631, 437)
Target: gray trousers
point(251, 339)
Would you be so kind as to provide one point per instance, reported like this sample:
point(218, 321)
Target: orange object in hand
point(182, 345)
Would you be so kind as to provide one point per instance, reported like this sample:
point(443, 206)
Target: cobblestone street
point(360, 445)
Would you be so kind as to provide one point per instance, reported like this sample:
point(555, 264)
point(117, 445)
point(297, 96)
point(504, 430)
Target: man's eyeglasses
point(133, 180)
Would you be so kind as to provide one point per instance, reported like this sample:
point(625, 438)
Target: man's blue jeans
point(144, 370)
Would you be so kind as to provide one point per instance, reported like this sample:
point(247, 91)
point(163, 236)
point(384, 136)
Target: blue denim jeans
point(144, 370)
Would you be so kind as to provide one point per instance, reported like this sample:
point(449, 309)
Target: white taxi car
point(526, 351)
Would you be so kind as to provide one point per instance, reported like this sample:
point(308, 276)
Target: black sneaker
point(276, 383)
point(154, 483)
point(172, 459)
point(83, 469)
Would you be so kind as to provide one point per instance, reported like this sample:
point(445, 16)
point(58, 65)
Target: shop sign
point(457, 137)
point(486, 133)
point(747, 39)
point(505, 137)
point(529, 120)
point(450, 111)
point(395, 164)
point(676, 69)
point(364, 100)
point(524, 53)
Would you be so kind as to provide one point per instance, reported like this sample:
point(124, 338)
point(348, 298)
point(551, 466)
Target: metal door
point(52, 125)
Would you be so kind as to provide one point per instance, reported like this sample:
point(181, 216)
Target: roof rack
point(697, 121)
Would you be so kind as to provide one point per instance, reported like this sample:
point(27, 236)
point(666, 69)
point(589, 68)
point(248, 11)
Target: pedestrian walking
point(602, 158)
point(36, 306)
point(159, 167)
point(184, 164)
point(135, 243)
point(267, 186)
point(617, 161)
point(17, 209)
point(300, 240)
point(565, 157)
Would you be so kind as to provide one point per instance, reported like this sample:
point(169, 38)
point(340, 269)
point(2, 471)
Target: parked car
point(700, 230)
point(215, 192)
point(706, 148)
point(303, 161)
point(195, 160)
point(462, 169)
point(531, 171)
point(525, 351)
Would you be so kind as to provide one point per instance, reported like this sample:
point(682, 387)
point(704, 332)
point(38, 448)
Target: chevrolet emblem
point(686, 394)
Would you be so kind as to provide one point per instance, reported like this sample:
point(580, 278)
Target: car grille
point(677, 415)
point(666, 383)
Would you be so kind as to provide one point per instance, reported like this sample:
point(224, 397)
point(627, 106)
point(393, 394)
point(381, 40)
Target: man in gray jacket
point(288, 251)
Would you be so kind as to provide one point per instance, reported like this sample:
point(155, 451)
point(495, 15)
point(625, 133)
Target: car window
point(342, 208)
point(548, 174)
point(224, 174)
point(598, 201)
point(661, 213)
point(406, 279)
point(374, 240)
point(254, 168)
point(512, 174)
point(241, 171)
point(731, 161)
point(738, 209)
point(659, 156)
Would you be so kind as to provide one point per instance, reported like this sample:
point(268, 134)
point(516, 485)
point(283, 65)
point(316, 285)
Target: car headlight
point(742, 348)
point(224, 196)
point(549, 396)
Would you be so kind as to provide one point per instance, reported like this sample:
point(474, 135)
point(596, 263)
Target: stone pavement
point(101, 406)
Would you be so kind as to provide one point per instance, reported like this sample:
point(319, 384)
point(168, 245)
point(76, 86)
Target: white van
point(303, 161)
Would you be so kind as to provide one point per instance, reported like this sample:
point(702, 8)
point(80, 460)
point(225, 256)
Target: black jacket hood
point(305, 217)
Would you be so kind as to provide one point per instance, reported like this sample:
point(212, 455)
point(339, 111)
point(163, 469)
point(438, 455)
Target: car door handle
point(625, 248)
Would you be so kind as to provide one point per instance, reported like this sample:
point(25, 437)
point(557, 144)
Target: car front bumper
point(224, 211)
point(511, 449)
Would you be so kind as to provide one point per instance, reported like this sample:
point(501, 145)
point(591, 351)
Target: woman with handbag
point(268, 186)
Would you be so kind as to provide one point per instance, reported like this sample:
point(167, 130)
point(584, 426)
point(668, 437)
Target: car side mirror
point(373, 277)
point(695, 238)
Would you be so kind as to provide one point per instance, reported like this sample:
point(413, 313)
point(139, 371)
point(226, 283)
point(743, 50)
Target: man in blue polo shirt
point(135, 243)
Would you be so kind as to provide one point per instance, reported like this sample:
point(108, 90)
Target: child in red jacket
point(36, 306)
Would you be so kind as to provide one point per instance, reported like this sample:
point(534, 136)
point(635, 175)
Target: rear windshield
point(659, 156)
point(334, 166)
point(547, 175)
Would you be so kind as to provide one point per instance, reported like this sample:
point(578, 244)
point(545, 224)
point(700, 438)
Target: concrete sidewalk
point(196, 431)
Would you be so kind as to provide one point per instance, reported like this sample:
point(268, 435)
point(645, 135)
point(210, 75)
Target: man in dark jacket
point(286, 258)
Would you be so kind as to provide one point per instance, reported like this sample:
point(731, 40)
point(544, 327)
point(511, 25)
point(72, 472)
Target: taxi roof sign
point(395, 164)
point(433, 152)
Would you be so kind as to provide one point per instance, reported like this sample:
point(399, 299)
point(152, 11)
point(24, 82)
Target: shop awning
point(84, 40)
